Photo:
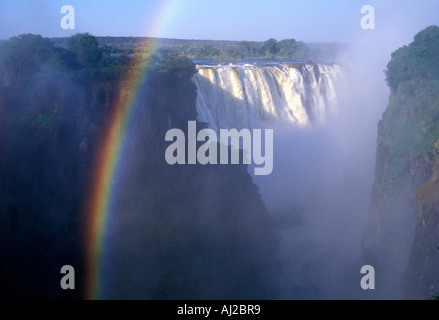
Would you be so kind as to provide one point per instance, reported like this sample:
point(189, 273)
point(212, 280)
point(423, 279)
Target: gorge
point(346, 189)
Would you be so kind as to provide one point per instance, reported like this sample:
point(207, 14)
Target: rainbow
point(108, 157)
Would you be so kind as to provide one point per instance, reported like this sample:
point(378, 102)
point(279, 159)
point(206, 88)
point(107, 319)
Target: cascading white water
point(245, 95)
point(296, 192)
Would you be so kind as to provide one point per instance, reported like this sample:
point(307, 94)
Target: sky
point(255, 20)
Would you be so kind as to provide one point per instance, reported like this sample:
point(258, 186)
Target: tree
point(24, 55)
point(417, 60)
point(270, 47)
point(86, 49)
point(292, 49)
point(249, 49)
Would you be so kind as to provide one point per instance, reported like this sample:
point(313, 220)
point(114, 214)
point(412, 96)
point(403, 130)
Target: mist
point(191, 232)
point(320, 190)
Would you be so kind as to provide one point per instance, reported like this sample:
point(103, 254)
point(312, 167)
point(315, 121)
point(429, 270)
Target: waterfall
point(248, 95)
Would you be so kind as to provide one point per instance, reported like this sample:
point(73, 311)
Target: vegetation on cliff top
point(418, 60)
point(221, 51)
point(410, 124)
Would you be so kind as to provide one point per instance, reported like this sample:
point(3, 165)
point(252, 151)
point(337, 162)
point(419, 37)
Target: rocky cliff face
point(401, 234)
point(389, 234)
point(422, 277)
